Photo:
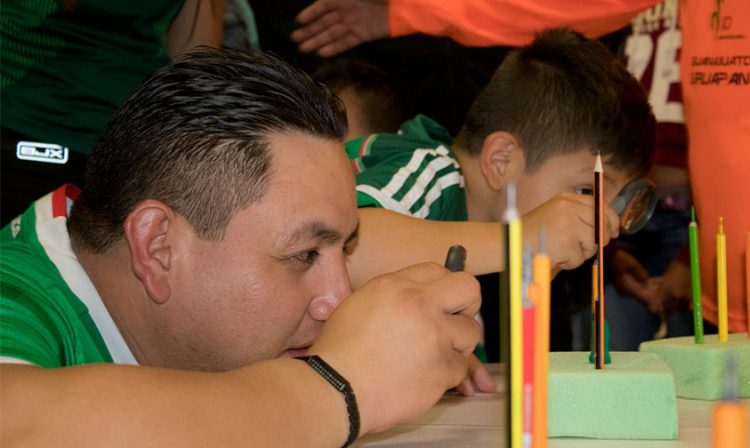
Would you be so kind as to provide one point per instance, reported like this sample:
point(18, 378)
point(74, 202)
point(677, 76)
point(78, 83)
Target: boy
point(547, 111)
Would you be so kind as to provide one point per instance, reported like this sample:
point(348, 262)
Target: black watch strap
point(341, 385)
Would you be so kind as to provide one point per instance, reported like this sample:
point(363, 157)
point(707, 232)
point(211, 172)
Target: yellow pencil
point(516, 330)
point(721, 281)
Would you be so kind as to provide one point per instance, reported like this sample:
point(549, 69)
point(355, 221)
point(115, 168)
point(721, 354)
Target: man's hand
point(568, 220)
point(330, 27)
point(477, 380)
point(402, 340)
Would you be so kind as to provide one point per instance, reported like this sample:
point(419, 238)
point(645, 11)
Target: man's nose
point(335, 287)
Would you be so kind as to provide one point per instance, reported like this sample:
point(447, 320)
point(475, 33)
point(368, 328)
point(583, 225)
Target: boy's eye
point(588, 191)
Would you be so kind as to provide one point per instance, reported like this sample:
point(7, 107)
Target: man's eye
point(350, 246)
point(588, 191)
point(307, 257)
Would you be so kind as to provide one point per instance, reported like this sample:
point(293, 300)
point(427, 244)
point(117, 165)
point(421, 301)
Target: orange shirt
point(483, 23)
point(715, 70)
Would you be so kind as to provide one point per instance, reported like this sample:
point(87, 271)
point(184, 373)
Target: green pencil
point(695, 274)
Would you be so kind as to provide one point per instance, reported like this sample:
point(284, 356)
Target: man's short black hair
point(195, 137)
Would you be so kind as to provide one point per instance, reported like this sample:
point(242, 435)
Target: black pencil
point(599, 239)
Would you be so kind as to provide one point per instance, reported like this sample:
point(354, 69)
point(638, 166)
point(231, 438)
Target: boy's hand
point(568, 220)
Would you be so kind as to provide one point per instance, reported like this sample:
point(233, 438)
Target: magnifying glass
point(635, 204)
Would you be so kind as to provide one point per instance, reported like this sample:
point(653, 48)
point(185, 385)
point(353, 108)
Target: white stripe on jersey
point(11, 360)
point(383, 199)
point(437, 189)
point(53, 236)
point(398, 179)
point(425, 177)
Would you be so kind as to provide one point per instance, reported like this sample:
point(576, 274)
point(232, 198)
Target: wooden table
point(458, 422)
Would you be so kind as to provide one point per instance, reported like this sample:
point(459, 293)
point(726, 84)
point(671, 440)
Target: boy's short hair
point(383, 105)
point(560, 94)
point(195, 137)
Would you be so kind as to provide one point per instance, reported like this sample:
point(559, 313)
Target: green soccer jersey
point(413, 172)
point(50, 312)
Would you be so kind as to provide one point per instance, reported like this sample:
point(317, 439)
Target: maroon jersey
point(652, 52)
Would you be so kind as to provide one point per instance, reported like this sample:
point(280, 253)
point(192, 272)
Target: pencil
point(541, 294)
point(505, 330)
point(516, 326)
point(599, 239)
point(729, 425)
point(695, 278)
point(721, 281)
point(456, 258)
point(529, 346)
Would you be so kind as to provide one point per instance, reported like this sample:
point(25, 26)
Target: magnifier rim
point(625, 197)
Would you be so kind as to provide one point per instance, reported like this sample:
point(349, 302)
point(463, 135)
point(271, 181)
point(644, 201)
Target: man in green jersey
point(209, 247)
point(548, 110)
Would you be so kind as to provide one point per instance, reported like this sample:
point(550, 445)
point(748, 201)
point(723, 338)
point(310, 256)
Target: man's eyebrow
point(313, 230)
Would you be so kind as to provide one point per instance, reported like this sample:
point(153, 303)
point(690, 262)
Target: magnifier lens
point(635, 204)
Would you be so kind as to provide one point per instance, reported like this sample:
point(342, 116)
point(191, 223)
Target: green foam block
point(632, 398)
point(699, 368)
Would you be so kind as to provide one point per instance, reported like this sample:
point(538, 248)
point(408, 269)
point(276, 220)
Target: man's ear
point(500, 151)
point(147, 230)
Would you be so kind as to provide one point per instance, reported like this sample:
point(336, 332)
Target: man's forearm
point(273, 403)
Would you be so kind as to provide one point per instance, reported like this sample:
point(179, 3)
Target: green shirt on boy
point(413, 172)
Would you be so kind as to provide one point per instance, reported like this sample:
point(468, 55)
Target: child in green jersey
point(548, 110)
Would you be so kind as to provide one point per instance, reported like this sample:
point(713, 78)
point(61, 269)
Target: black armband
point(341, 385)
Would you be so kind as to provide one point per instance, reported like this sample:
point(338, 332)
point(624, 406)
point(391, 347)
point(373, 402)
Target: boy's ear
point(497, 157)
point(147, 231)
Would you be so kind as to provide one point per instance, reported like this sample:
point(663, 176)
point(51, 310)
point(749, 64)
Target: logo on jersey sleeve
point(42, 152)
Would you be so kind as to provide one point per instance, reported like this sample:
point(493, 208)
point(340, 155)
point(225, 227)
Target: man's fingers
point(466, 388)
point(457, 293)
point(480, 376)
point(424, 273)
point(464, 333)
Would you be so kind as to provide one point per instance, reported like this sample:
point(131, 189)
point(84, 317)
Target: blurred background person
point(67, 65)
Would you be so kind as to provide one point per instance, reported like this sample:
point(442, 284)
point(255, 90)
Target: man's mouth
point(296, 352)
